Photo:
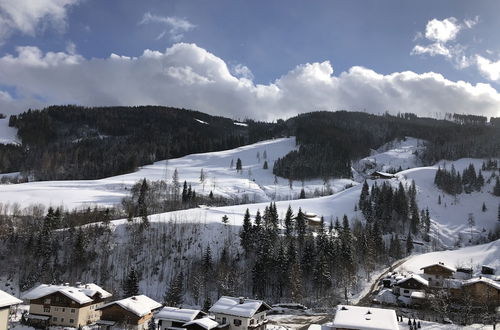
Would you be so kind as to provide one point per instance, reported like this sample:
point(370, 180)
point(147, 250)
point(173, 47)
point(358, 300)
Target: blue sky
point(281, 54)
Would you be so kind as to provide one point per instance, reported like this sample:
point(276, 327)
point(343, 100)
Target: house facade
point(482, 291)
point(130, 313)
point(240, 313)
point(6, 301)
point(408, 285)
point(436, 274)
point(64, 305)
point(173, 317)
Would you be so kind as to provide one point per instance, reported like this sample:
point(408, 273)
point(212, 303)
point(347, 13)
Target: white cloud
point(489, 69)
point(432, 50)
point(188, 76)
point(442, 31)
point(176, 25)
point(29, 16)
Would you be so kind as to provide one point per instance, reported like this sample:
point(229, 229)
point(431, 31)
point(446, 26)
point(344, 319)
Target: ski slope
point(8, 135)
point(253, 183)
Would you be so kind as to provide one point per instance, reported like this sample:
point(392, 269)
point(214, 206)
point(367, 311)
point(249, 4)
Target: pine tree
point(289, 223)
point(483, 208)
point(207, 303)
point(265, 166)
point(409, 244)
point(131, 284)
point(302, 194)
point(239, 166)
point(225, 219)
point(496, 188)
point(175, 184)
point(300, 227)
point(246, 233)
point(173, 296)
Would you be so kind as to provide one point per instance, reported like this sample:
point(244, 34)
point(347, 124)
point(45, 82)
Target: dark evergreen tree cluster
point(453, 183)
point(490, 165)
point(392, 209)
point(298, 263)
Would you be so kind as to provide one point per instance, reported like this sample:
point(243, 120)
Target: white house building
point(64, 305)
point(364, 318)
point(132, 313)
point(6, 301)
point(172, 317)
point(240, 313)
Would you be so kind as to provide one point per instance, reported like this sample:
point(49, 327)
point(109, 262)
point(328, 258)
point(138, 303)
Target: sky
point(253, 59)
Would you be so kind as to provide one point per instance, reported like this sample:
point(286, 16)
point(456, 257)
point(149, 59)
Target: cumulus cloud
point(28, 16)
point(441, 38)
point(176, 27)
point(188, 76)
point(489, 69)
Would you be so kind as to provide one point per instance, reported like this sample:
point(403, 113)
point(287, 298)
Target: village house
point(408, 285)
point(132, 313)
point(381, 175)
point(64, 305)
point(312, 220)
point(437, 273)
point(205, 323)
point(487, 270)
point(173, 317)
point(240, 313)
point(6, 301)
point(364, 318)
point(482, 290)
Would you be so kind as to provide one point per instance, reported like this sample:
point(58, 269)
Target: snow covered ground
point(392, 155)
point(472, 256)
point(254, 182)
point(8, 135)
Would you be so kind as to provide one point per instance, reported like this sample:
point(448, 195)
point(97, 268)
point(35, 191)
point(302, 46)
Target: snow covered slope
point(472, 256)
point(254, 182)
point(8, 135)
point(450, 217)
point(392, 155)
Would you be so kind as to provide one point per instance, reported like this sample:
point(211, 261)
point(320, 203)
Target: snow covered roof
point(442, 265)
point(485, 280)
point(237, 306)
point(177, 314)
point(204, 322)
point(8, 300)
point(365, 318)
point(139, 305)
point(416, 277)
point(82, 294)
point(417, 295)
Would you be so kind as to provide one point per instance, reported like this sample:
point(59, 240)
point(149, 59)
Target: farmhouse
point(240, 313)
point(436, 273)
point(483, 290)
point(172, 317)
point(64, 305)
point(6, 301)
point(381, 175)
point(364, 318)
point(409, 285)
point(131, 313)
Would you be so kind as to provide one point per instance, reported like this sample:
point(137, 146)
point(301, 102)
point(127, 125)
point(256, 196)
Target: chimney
point(241, 300)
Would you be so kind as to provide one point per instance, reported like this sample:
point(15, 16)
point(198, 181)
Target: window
point(72, 310)
point(71, 321)
point(46, 309)
point(406, 291)
point(46, 301)
point(54, 319)
point(262, 317)
point(64, 309)
point(62, 319)
point(237, 322)
point(252, 321)
point(223, 320)
point(56, 309)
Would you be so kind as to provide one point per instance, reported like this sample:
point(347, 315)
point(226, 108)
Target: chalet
point(312, 219)
point(205, 323)
point(64, 305)
point(131, 313)
point(482, 290)
point(172, 317)
point(364, 318)
point(408, 285)
point(6, 301)
point(437, 273)
point(463, 273)
point(381, 175)
point(240, 313)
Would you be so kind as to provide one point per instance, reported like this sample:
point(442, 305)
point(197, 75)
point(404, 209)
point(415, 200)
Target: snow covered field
point(254, 182)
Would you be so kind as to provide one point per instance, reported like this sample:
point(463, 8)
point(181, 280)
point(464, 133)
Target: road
point(367, 299)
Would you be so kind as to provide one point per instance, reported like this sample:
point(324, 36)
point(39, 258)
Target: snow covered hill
point(472, 256)
point(8, 135)
point(253, 183)
point(396, 154)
